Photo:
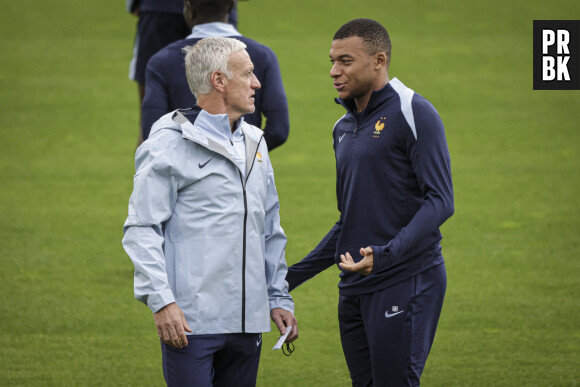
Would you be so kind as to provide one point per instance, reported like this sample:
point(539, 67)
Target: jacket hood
point(204, 121)
point(166, 122)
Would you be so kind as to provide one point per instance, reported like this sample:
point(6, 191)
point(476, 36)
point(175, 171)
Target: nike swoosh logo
point(204, 164)
point(340, 138)
point(389, 315)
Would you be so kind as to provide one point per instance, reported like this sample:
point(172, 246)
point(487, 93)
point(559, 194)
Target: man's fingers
point(172, 325)
point(181, 338)
point(171, 335)
point(177, 332)
point(184, 327)
point(165, 335)
point(347, 259)
point(347, 262)
point(364, 266)
point(277, 318)
point(283, 319)
point(294, 334)
point(281, 327)
point(290, 320)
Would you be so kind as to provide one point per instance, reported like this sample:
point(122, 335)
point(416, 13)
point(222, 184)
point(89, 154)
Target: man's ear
point(188, 7)
point(218, 80)
point(381, 60)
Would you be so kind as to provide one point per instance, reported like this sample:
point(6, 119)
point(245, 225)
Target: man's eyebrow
point(342, 56)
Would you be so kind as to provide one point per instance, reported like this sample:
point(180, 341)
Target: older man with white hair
point(203, 229)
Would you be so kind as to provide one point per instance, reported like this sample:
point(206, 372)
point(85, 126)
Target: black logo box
point(573, 64)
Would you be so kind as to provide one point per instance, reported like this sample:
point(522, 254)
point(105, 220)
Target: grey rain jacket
point(204, 234)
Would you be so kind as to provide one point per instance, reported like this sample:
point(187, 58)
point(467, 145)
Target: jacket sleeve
point(431, 164)
point(323, 255)
point(275, 245)
point(151, 204)
point(156, 100)
point(319, 259)
point(274, 104)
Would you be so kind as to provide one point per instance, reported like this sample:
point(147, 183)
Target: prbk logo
point(556, 54)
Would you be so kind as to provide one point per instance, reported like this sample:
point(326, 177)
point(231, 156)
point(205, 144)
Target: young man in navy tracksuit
point(394, 190)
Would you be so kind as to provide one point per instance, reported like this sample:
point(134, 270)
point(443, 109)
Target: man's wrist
point(159, 300)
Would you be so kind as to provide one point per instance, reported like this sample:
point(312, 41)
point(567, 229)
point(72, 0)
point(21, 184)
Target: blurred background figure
point(160, 23)
point(166, 87)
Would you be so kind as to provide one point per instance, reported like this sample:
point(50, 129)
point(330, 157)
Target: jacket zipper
point(244, 256)
point(244, 242)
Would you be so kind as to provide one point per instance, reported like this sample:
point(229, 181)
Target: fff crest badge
point(379, 126)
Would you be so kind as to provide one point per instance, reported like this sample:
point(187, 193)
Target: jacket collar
point(207, 30)
point(207, 130)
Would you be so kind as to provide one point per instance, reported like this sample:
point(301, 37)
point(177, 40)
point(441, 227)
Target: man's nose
point(334, 71)
point(255, 82)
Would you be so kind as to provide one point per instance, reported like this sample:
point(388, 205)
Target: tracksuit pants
point(387, 335)
point(222, 360)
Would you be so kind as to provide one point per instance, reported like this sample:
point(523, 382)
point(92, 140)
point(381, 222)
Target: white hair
point(205, 57)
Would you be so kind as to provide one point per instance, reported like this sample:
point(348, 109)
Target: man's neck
point(362, 102)
point(213, 105)
point(205, 20)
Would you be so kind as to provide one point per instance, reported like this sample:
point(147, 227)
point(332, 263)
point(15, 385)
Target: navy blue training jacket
point(167, 89)
point(393, 188)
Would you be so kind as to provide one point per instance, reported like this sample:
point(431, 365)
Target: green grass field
point(68, 127)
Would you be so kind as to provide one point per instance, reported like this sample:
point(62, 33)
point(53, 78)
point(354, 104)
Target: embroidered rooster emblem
point(379, 126)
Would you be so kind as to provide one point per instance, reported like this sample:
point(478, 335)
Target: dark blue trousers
point(213, 361)
point(386, 336)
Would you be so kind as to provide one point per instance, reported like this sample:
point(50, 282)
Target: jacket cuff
point(284, 303)
point(381, 257)
point(158, 300)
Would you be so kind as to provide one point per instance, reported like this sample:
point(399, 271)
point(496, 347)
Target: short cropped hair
point(373, 34)
point(205, 57)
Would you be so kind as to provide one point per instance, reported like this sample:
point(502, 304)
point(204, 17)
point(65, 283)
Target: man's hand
point(171, 325)
point(364, 266)
point(283, 318)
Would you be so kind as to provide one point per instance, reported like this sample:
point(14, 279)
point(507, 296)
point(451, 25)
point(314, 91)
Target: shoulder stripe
point(406, 96)
point(337, 121)
point(334, 128)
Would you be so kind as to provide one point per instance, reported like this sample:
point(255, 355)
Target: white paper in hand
point(282, 338)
